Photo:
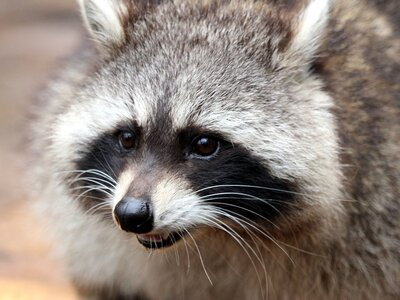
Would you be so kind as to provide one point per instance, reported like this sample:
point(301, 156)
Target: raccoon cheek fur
point(226, 150)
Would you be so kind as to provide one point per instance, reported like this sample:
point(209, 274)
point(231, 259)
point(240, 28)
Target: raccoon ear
point(308, 33)
point(104, 20)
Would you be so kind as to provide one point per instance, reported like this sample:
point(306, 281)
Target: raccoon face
point(201, 116)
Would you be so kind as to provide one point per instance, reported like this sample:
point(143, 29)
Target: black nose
point(134, 215)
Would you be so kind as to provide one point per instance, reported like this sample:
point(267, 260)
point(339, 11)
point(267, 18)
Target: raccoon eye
point(127, 139)
point(205, 146)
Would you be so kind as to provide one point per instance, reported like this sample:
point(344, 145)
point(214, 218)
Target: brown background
point(34, 36)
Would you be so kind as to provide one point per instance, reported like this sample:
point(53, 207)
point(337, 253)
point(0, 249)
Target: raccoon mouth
point(158, 241)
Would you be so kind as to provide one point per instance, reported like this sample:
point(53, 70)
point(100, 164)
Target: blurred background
point(34, 37)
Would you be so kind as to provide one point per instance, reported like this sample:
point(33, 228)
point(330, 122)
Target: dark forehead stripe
point(244, 187)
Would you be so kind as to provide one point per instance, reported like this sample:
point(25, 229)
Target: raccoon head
point(202, 115)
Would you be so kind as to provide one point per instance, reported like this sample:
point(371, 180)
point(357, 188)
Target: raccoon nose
point(134, 215)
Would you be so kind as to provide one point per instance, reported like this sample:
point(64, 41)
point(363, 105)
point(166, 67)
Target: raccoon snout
point(134, 215)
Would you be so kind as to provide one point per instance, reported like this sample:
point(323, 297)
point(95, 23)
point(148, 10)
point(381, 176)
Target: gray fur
point(239, 68)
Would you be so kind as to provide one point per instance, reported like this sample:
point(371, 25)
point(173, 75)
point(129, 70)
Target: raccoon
point(226, 150)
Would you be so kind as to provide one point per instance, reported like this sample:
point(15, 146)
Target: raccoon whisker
point(94, 187)
point(93, 180)
point(187, 247)
point(107, 215)
point(243, 194)
point(300, 250)
point(221, 212)
point(150, 254)
point(251, 197)
point(249, 232)
point(211, 221)
point(247, 198)
point(211, 201)
point(86, 189)
point(262, 232)
point(106, 200)
point(256, 227)
point(91, 183)
point(97, 211)
point(102, 174)
point(83, 176)
point(176, 253)
point(97, 198)
point(200, 257)
point(93, 171)
point(259, 199)
point(252, 235)
point(229, 230)
point(269, 202)
point(97, 207)
point(75, 171)
point(99, 176)
point(108, 164)
point(89, 189)
point(250, 186)
point(164, 255)
point(263, 265)
point(102, 164)
point(182, 236)
point(102, 183)
point(283, 243)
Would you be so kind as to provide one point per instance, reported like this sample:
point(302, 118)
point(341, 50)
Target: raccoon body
point(226, 150)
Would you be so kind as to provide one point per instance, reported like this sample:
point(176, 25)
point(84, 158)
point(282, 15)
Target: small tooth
point(165, 235)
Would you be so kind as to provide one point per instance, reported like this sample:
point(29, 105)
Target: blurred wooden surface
point(34, 36)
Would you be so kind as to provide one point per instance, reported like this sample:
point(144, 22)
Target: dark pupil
point(127, 139)
point(205, 146)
